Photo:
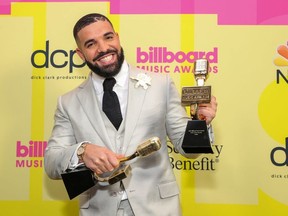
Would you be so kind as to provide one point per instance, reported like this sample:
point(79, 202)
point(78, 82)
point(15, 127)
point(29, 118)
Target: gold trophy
point(196, 139)
point(80, 179)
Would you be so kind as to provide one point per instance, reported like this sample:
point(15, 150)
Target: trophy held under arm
point(196, 138)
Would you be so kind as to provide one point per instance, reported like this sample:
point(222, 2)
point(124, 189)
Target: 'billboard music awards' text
point(162, 60)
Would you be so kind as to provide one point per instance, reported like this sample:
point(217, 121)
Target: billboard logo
point(30, 155)
point(161, 60)
point(162, 55)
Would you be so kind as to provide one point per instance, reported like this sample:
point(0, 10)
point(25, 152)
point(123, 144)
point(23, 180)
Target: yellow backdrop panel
point(247, 174)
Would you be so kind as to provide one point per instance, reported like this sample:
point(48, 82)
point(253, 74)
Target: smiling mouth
point(105, 59)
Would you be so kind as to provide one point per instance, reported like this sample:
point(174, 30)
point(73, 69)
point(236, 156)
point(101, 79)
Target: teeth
point(106, 59)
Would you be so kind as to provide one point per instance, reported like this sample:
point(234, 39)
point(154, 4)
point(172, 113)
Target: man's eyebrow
point(109, 33)
point(88, 41)
point(92, 40)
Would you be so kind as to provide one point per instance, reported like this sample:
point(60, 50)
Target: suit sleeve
point(61, 145)
point(177, 118)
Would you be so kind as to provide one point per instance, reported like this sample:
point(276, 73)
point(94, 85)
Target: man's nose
point(102, 46)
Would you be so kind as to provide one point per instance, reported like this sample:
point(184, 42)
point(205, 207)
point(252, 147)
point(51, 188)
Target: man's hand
point(207, 111)
point(100, 159)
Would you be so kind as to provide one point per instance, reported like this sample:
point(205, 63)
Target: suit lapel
point(135, 105)
point(89, 103)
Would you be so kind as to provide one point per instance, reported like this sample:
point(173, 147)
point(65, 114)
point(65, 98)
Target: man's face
point(100, 47)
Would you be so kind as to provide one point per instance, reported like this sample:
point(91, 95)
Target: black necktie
point(111, 106)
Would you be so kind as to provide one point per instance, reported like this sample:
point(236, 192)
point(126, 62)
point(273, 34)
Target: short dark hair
point(87, 20)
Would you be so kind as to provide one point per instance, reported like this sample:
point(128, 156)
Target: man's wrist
point(81, 151)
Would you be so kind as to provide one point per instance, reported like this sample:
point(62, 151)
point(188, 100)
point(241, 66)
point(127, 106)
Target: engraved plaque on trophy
point(196, 138)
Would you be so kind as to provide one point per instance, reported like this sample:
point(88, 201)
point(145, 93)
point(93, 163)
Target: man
point(150, 106)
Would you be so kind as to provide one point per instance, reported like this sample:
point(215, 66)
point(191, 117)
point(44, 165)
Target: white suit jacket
point(151, 186)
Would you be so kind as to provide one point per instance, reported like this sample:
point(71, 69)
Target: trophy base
point(77, 181)
point(196, 138)
point(81, 179)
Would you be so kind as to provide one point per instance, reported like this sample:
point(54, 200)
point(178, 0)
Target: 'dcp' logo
point(58, 58)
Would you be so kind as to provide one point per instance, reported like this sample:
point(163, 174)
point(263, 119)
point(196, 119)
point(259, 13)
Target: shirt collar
point(121, 78)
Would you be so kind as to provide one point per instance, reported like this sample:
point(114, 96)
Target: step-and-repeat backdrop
point(246, 44)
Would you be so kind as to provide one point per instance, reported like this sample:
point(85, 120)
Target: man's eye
point(89, 45)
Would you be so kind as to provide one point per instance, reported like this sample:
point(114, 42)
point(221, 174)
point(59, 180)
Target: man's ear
point(80, 54)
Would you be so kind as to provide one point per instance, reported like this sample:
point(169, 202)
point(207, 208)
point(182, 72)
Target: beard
point(109, 70)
